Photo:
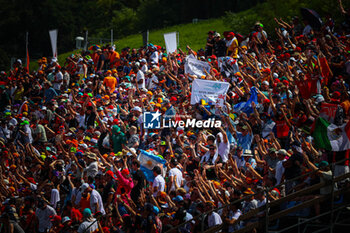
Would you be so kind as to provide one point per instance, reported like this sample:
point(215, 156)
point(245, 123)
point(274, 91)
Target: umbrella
point(312, 17)
point(94, 47)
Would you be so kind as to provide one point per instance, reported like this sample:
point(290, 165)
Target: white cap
point(265, 82)
point(83, 145)
point(80, 60)
point(143, 60)
point(137, 109)
point(98, 133)
point(84, 186)
point(282, 152)
point(275, 75)
point(19, 61)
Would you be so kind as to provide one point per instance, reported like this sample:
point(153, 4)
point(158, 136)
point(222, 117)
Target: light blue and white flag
point(212, 92)
point(148, 161)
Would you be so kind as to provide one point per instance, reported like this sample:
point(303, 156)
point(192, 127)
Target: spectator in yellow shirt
point(232, 45)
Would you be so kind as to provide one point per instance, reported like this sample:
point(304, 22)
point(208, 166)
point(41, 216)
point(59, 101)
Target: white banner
point(195, 67)
point(228, 65)
point(53, 38)
point(213, 92)
point(170, 42)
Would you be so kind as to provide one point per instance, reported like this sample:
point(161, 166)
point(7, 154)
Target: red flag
point(328, 111)
point(326, 71)
point(27, 61)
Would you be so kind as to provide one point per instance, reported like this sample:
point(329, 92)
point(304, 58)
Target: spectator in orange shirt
point(110, 82)
point(114, 58)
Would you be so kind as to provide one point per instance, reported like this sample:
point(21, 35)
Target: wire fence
point(264, 222)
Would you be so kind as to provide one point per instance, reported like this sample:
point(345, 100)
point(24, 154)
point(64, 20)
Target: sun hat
point(247, 153)
point(65, 219)
point(248, 191)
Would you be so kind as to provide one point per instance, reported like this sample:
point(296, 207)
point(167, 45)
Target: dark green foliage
point(72, 18)
point(286, 9)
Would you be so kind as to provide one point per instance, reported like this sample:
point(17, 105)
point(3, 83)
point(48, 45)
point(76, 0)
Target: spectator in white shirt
point(159, 182)
point(279, 169)
point(55, 198)
point(214, 218)
point(43, 213)
point(231, 215)
point(223, 145)
point(58, 79)
point(154, 56)
point(96, 203)
point(175, 175)
point(140, 77)
point(92, 169)
point(144, 67)
point(89, 224)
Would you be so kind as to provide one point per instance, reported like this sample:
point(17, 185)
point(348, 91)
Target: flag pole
point(112, 37)
point(27, 52)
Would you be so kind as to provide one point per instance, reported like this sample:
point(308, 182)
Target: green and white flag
point(330, 136)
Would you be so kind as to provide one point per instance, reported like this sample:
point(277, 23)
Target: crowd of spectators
point(70, 134)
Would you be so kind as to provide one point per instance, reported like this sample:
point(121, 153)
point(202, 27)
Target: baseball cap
point(87, 212)
point(125, 172)
point(266, 101)
point(217, 34)
point(323, 164)
point(283, 152)
point(84, 186)
point(173, 98)
point(137, 109)
point(111, 174)
point(178, 198)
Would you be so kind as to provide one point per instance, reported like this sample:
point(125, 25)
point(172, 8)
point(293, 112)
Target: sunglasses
point(212, 148)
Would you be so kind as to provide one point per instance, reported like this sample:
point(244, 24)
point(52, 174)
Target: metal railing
point(264, 222)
